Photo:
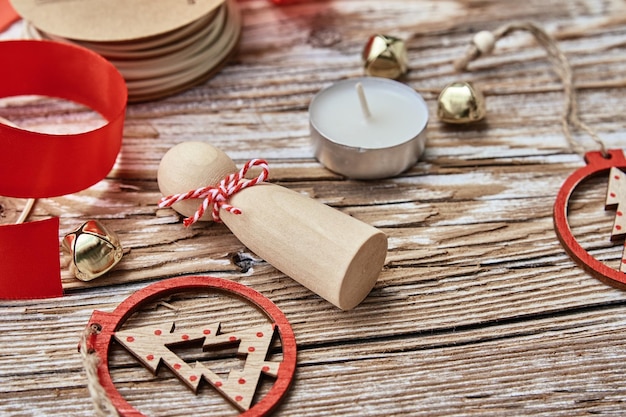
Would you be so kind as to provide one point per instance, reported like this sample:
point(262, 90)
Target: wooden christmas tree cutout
point(151, 346)
point(616, 199)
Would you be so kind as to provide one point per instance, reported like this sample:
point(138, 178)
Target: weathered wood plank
point(575, 364)
point(478, 310)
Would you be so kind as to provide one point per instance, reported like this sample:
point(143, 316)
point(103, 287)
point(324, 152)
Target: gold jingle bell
point(385, 56)
point(460, 102)
point(94, 250)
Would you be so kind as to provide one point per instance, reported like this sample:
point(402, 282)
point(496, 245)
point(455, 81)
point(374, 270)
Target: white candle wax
point(368, 128)
point(397, 113)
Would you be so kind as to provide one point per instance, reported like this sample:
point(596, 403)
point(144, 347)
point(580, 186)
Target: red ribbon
point(39, 165)
point(30, 271)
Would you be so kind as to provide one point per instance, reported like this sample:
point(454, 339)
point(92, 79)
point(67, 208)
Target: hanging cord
point(28, 207)
point(101, 402)
point(484, 42)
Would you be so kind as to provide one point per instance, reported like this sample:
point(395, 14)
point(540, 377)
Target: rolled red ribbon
point(38, 165)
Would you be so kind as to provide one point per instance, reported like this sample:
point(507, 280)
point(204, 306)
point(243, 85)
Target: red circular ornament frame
point(597, 164)
point(111, 322)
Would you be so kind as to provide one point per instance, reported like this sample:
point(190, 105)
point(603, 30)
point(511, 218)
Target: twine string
point(216, 197)
point(484, 43)
point(101, 402)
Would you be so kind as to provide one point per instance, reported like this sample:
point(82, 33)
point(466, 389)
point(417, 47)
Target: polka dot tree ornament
point(155, 346)
point(603, 162)
point(608, 164)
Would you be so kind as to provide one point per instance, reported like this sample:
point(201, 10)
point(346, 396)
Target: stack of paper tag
point(160, 48)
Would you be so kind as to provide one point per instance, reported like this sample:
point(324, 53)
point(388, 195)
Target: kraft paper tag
point(112, 20)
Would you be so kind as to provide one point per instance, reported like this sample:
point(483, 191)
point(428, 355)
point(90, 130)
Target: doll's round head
point(189, 166)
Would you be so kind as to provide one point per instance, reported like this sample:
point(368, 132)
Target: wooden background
point(478, 310)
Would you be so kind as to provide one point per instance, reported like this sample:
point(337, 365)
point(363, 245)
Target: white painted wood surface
point(478, 310)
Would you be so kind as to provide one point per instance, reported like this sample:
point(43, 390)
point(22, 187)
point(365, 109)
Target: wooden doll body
point(331, 253)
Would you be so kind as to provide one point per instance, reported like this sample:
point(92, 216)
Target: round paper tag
point(112, 20)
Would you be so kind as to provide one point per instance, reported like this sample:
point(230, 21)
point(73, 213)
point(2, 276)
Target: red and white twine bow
point(217, 196)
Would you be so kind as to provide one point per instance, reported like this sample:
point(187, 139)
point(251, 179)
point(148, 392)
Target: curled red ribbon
point(38, 165)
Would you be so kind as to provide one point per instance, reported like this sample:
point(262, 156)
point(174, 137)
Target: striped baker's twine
point(217, 196)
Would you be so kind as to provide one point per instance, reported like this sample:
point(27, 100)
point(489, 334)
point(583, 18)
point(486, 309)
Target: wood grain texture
point(478, 311)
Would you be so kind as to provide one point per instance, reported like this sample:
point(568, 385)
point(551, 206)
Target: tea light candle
point(368, 128)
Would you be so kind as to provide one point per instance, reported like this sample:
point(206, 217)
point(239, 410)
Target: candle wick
point(364, 107)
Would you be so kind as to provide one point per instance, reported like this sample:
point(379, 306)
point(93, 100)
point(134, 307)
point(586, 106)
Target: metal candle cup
point(377, 139)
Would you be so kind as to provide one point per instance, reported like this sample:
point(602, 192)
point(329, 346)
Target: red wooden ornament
point(111, 322)
point(597, 164)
